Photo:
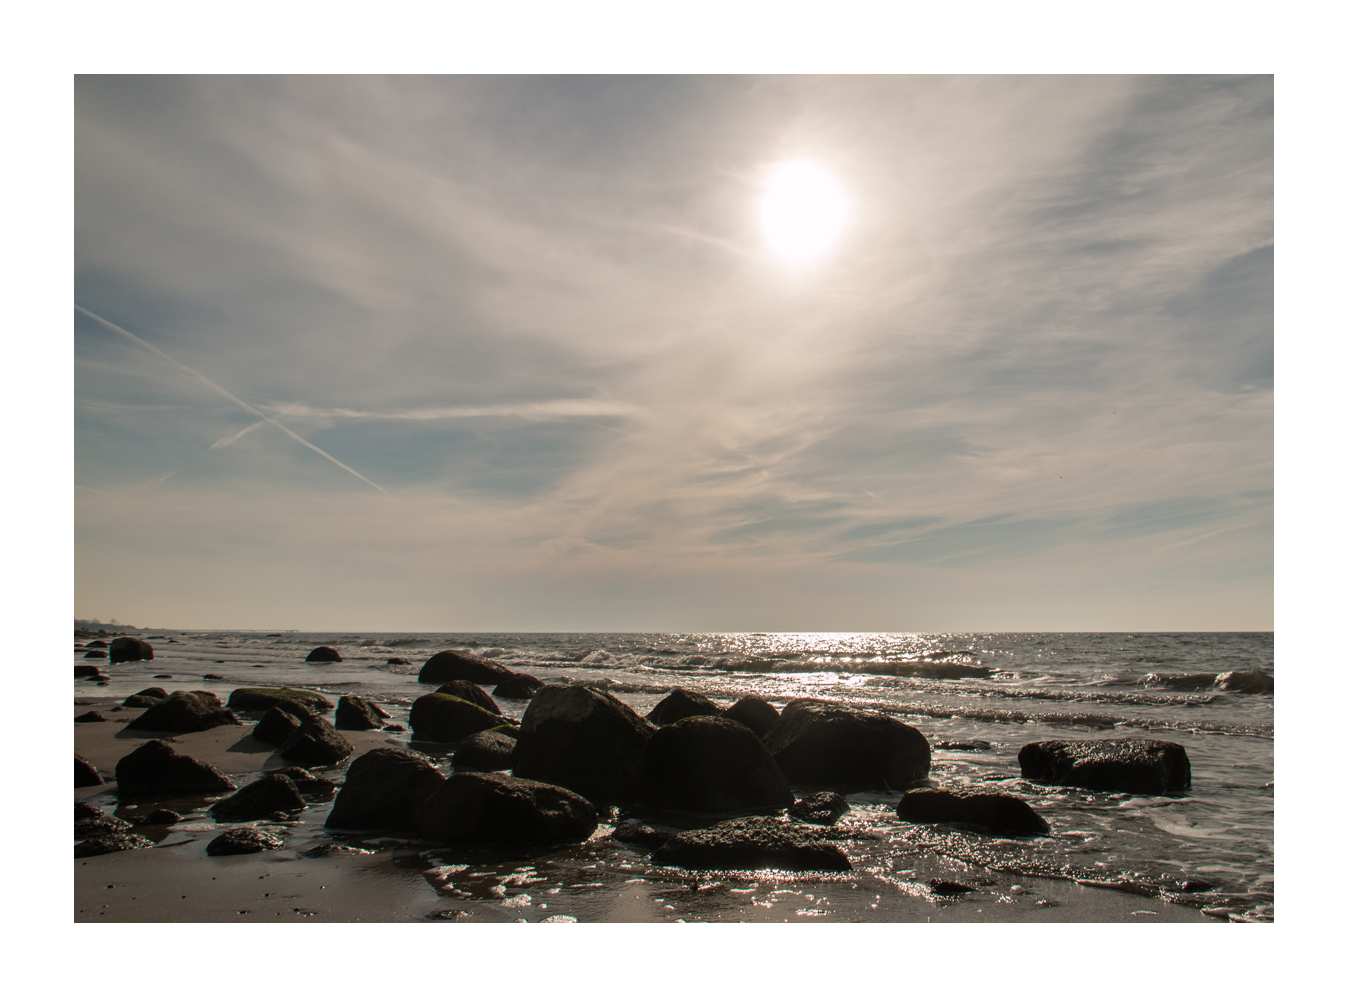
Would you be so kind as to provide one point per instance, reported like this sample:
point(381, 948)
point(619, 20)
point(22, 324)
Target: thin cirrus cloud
point(540, 313)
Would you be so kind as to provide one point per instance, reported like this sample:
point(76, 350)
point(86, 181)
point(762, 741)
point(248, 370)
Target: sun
point(802, 210)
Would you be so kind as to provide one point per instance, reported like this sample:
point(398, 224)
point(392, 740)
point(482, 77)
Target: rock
point(323, 654)
point(87, 672)
point(269, 795)
point(634, 832)
point(303, 702)
point(276, 726)
point(819, 808)
point(946, 888)
point(1252, 680)
point(501, 809)
point(583, 739)
point(156, 769)
point(355, 713)
point(307, 783)
point(129, 649)
point(518, 686)
point(751, 843)
point(145, 698)
point(97, 643)
point(680, 704)
point(395, 728)
point(184, 713)
point(485, 751)
point(85, 811)
point(95, 654)
point(709, 765)
point(316, 743)
point(243, 841)
point(1116, 765)
point(383, 791)
point(962, 745)
point(438, 717)
point(161, 817)
point(163, 676)
point(757, 714)
point(96, 827)
point(826, 744)
point(398, 661)
point(449, 665)
point(86, 774)
point(998, 813)
point(471, 692)
point(92, 717)
point(108, 843)
point(212, 677)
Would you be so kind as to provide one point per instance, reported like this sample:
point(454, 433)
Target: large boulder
point(316, 743)
point(823, 808)
point(997, 813)
point(324, 654)
point(751, 843)
point(87, 672)
point(1116, 765)
point(438, 717)
point(485, 751)
point(449, 665)
point(97, 643)
point(277, 726)
point(710, 765)
point(184, 713)
point(756, 713)
point(258, 699)
point(95, 653)
point(383, 791)
point(243, 841)
point(472, 692)
point(129, 649)
point(270, 795)
point(518, 686)
point(155, 769)
point(492, 808)
point(145, 698)
point(106, 844)
point(826, 744)
point(583, 739)
point(355, 713)
point(86, 774)
point(680, 704)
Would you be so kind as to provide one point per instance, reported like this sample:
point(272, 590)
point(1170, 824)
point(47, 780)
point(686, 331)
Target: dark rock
point(85, 811)
point(395, 729)
point(276, 726)
point(87, 671)
point(751, 843)
point(97, 643)
point(826, 744)
point(92, 717)
point(243, 841)
point(86, 774)
point(307, 783)
point(1252, 680)
point(355, 713)
point(269, 795)
point(95, 654)
point(96, 827)
point(212, 677)
point(324, 654)
point(161, 817)
point(311, 703)
point(472, 692)
point(945, 888)
point(184, 713)
point(511, 732)
point(709, 765)
point(757, 714)
point(449, 665)
point(680, 704)
point(493, 808)
point(962, 745)
point(145, 698)
point(518, 686)
point(163, 676)
point(398, 661)
point(583, 739)
point(822, 808)
point(1116, 765)
point(485, 751)
point(156, 769)
point(119, 842)
point(438, 717)
point(129, 649)
point(999, 813)
point(383, 791)
point(316, 743)
point(634, 832)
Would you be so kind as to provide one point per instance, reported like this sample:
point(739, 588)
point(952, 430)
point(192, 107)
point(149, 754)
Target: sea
point(977, 697)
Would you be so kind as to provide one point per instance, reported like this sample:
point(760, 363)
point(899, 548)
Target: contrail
point(221, 391)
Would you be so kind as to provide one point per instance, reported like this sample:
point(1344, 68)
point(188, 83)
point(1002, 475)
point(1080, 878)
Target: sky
point(514, 353)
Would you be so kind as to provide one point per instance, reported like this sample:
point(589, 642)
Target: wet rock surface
point(155, 768)
point(449, 665)
point(500, 809)
point(272, 794)
point(307, 783)
point(264, 698)
point(1118, 765)
point(88, 671)
point(129, 649)
point(92, 717)
point(823, 808)
point(751, 843)
point(636, 832)
point(384, 789)
point(243, 841)
point(316, 743)
point(709, 765)
point(440, 717)
point(355, 713)
point(756, 713)
point(96, 827)
point(825, 744)
point(485, 751)
point(277, 726)
point(108, 843)
point(145, 698)
point(86, 774)
point(470, 692)
point(679, 704)
point(518, 686)
point(324, 653)
point(184, 713)
point(997, 813)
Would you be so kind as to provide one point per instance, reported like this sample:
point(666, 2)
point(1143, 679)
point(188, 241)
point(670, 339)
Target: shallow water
point(1002, 689)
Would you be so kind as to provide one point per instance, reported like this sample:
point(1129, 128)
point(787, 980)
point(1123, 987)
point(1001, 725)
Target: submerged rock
point(756, 713)
point(583, 739)
point(398, 661)
point(826, 744)
point(518, 686)
point(86, 774)
point(709, 765)
point(492, 808)
point(276, 726)
point(751, 843)
point(449, 665)
point(439, 717)
point(324, 654)
point(156, 769)
point(472, 692)
point(243, 841)
point(355, 713)
point(272, 794)
point(263, 698)
point(681, 703)
point(105, 844)
point(145, 698)
point(823, 808)
point(998, 813)
point(316, 743)
point(485, 751)
point(383, 791)
point(1117, 765)
point(184, 713)
point(129, 649)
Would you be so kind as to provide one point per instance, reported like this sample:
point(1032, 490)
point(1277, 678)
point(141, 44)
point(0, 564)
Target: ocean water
point(976, 697)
